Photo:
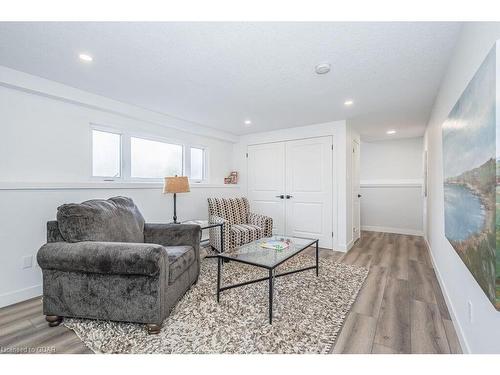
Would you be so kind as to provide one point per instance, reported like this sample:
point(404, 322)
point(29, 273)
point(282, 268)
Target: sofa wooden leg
point(153, 329)
point(54, 320)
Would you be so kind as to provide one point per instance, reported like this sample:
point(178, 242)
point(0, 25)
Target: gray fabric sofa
point(102, 261)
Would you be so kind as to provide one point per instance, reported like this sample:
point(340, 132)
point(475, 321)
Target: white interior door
point(308, 166)
point(356, 192)
point(266, 182)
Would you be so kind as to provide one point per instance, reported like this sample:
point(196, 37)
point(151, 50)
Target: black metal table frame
point(271, 276)
point(212, 225)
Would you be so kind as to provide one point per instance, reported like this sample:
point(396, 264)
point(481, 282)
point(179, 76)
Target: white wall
point(342, 136)
point(350, 137)
point(393, 159)
point(45, 161)
point(482, 334)
point(48, 140)
point(391, 186)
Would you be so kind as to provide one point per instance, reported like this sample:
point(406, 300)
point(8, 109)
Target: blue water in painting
point(464, 213)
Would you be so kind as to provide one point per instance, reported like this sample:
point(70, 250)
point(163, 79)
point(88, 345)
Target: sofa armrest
point(173, 235)
point(265, 222)
point(214, 219)
point(104, 257)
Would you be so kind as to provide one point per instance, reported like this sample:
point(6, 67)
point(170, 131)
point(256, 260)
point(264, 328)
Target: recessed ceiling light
point(322, 68)
point(247, 122)
point(348, 102)
point(85, 57)
point(390, 132)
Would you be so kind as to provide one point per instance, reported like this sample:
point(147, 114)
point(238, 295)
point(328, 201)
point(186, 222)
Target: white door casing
point(301, 169)
point(266, 181)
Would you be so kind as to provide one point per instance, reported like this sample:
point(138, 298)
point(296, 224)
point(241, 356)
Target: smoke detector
point(322, 68)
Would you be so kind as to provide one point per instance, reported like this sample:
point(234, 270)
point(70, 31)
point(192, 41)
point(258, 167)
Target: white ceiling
point(219, 74)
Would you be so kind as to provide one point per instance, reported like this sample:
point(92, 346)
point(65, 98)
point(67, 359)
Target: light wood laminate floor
point(400, 308)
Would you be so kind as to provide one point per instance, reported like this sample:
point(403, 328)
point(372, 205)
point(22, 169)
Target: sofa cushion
point(179, 258)
point(245, 233)
point(108, 220)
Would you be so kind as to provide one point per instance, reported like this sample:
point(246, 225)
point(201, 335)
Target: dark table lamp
point(176, 185)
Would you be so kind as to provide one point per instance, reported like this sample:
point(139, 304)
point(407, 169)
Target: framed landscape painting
point(471, 168)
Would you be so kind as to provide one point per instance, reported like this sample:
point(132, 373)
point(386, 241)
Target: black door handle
point(280, 196)
point(359, 195)
point(289, 196)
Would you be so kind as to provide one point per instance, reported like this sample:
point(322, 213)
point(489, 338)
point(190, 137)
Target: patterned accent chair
point(239, 224)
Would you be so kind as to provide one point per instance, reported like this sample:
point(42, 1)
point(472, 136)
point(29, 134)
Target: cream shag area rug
point(308, 313)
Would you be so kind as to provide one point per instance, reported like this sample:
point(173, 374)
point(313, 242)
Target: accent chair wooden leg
point(153, 329)
point(54, 320)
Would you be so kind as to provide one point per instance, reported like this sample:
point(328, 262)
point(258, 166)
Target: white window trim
point(154, 139)
point(125, 155)
point(106, 129)
point(204, 167)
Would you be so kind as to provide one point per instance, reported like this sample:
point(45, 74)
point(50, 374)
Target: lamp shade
point(176, 185)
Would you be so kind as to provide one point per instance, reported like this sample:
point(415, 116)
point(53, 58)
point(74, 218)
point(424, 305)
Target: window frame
point(154, 139)
point(204, 171)
point(126, 155)
point(105, 129)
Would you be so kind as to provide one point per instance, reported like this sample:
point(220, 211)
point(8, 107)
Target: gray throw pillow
point(107, 220)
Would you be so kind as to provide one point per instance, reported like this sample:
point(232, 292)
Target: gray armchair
point(102, 261)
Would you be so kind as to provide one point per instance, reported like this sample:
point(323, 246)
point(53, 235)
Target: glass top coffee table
point(255, 255)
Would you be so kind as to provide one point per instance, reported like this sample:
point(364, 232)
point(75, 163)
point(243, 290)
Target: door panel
point(304, 176)
point(309, 183)
point(308, 217)
point(266, 181)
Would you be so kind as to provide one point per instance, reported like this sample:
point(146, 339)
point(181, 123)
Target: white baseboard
point(345, 247)
point(412, 232)
point(349, 245)
point(20, 295)
point(449, 304)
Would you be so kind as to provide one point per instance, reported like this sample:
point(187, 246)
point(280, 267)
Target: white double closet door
point(292, 182)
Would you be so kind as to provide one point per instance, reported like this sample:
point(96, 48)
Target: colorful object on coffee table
point(275, 244)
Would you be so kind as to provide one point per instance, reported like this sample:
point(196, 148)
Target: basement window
point(151, 159)
point(118, 155)
point(197, 164)
point(106, 154)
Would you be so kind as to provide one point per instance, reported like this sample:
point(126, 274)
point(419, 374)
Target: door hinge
point(247, 154)
point(332, 147)
point(332, 234)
